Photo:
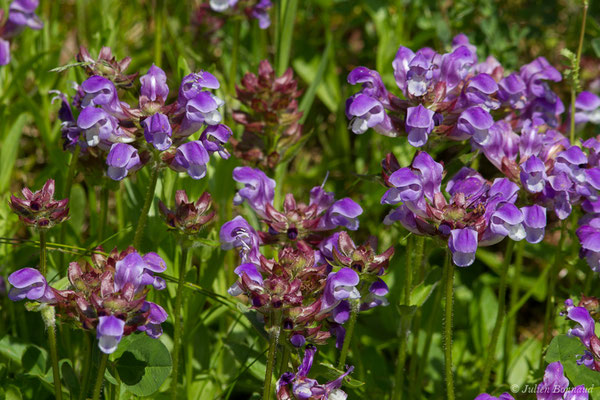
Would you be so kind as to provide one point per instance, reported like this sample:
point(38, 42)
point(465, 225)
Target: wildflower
point(39, 209)
point(188, 217)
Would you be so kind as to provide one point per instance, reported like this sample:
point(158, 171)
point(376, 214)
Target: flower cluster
point(255, 9)
point(39, 209)
point(299, 386)
point(108, 295)
point(553, 387)
point(479, 213)
point(188, 217)
point(451, 95)
point(21, 15)
point(318, 278)
point(128, 137)
point(271, 124)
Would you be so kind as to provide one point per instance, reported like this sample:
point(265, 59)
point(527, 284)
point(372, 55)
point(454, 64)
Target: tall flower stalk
point(449, 294)
point(185, 263)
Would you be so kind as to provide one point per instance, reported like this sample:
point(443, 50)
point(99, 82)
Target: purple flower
point(511, 91)
point(554, 384)
point(29, 283)
point(260, 12)
point(99, 91)
point(238, 233)
point(97, 125)
point(534, 221)
point(503, 396)
point(507, 220)
point(414, 72)
point(419, 124)
point(258, 190)
point(154, 86)
point(157, 131)
point(474, 123)
point(340, 286)
point(193, 84)
point(536, 73)
point(121, 159)
point(137, 271)
point(156, 316)
point(21, 14)
point(344, 212)
point(214, 137)
point(533, 175)
point(109, 333)
point(479, 91)
point(372, 85)
point(365, 112)
point(502, 146)
point(376, 297)
point(249, 270)
point(407, 186)
point(589, 237)
point(191, 157)
point(456, 65)
point(463, 245)
point(4, 52)
point(585, 330)
point(587, 108)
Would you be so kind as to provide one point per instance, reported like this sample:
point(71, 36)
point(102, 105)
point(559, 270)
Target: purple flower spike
point(238, 233)
point(258, 190)
point(109, 333)
point(407, 187)
point(463, 245)
point(344, 212)
point(130, 271)
point(204, 109)
point(372, 85)
point(193, 84)
point(507, 220)
point(365, 112)
point(431, 174)
point(587, 108)
point(156, 316)
point(191, 157)
point(554, 384)
point(4, 52)
point(121, 159)
point(157, 131)
point(154, 86)
point(503, 396)
point(475, 122)
point(419, 124)
point(213, 138)
point(479, 90)
point(533, 175)
point(99, 91)
point(97, 125)
point(29, 283)
point(586, 328)
point(534, 221)
point(340, 286)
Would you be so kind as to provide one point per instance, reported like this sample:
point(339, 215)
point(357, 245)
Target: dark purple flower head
point(121, 159)
point(29, 283)
point(109, 333)
point(154, 86)
point(419, 124)
point(258, 190)
point(39, 209)
point(157, 131)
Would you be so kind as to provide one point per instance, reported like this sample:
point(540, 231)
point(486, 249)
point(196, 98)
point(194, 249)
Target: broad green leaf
point(423, 290)
point(10, 150)
point(144, 365)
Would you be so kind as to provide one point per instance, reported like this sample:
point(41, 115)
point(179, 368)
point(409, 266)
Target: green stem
point(449, 287)
point(85, 376)
point(273, 340)
point(139, 231)
point(514, 298)
point(355, 308)
point(186, 258)
point(234, 56)
point(285, 360)
point(100, 377)
point(576, 70)
point(49, 318)
point(550, 302)
point(67, 193)
point(103, 212)
point(487, 368)
point(43, 252)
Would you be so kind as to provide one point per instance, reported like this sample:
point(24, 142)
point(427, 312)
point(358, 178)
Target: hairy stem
point(186, 258)
point(100, 376)
point(139, 231)
point(355, 307)
point(273, 340)
point(285, 360)
point(43, 252)
point(487, 366)
point(49, 318)
point(449, 288)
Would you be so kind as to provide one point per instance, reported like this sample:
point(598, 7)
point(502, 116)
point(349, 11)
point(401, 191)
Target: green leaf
point(331, 373)
point(309, 96)
point(423, 290)
point(285, 42)
point(144, 365)
point(11, 392)
point(10, 150)
point(69, 377)
point(68, 66)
